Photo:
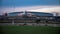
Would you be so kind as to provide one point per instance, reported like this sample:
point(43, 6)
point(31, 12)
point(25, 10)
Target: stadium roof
point(35, 13)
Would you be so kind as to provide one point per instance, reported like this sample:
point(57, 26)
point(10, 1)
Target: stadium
point(26, 22)
point(29, 17)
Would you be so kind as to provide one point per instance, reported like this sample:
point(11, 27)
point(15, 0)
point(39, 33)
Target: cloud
point(48, 9)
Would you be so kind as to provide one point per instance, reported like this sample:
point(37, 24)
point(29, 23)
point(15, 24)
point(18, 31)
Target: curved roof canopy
point(30, 13)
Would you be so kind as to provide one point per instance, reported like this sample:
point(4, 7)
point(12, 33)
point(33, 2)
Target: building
point(29, 17)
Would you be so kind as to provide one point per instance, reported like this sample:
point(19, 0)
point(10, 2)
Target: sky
point(13, 3)
point(30, 5)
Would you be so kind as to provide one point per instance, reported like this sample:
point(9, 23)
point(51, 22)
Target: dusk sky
point(31, 5)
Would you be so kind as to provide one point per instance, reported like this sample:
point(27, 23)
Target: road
point(31, 24)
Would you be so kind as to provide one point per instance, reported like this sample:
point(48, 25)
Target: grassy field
point(29, 30)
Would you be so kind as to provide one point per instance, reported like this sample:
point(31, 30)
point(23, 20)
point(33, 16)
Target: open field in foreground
point(29, 30)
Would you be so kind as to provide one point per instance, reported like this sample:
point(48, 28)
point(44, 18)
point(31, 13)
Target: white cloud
point(51, 9)
point(48, 9)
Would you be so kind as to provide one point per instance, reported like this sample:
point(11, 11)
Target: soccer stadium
point(29, 17)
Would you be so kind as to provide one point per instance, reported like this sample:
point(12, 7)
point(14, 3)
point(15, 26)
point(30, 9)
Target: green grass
point(29, 30)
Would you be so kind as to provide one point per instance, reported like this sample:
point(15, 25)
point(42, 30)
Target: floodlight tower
point(55, 14)
point(24, 12)
point(5, 14)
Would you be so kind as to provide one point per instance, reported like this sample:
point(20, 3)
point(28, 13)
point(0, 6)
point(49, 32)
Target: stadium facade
point(27, 17)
